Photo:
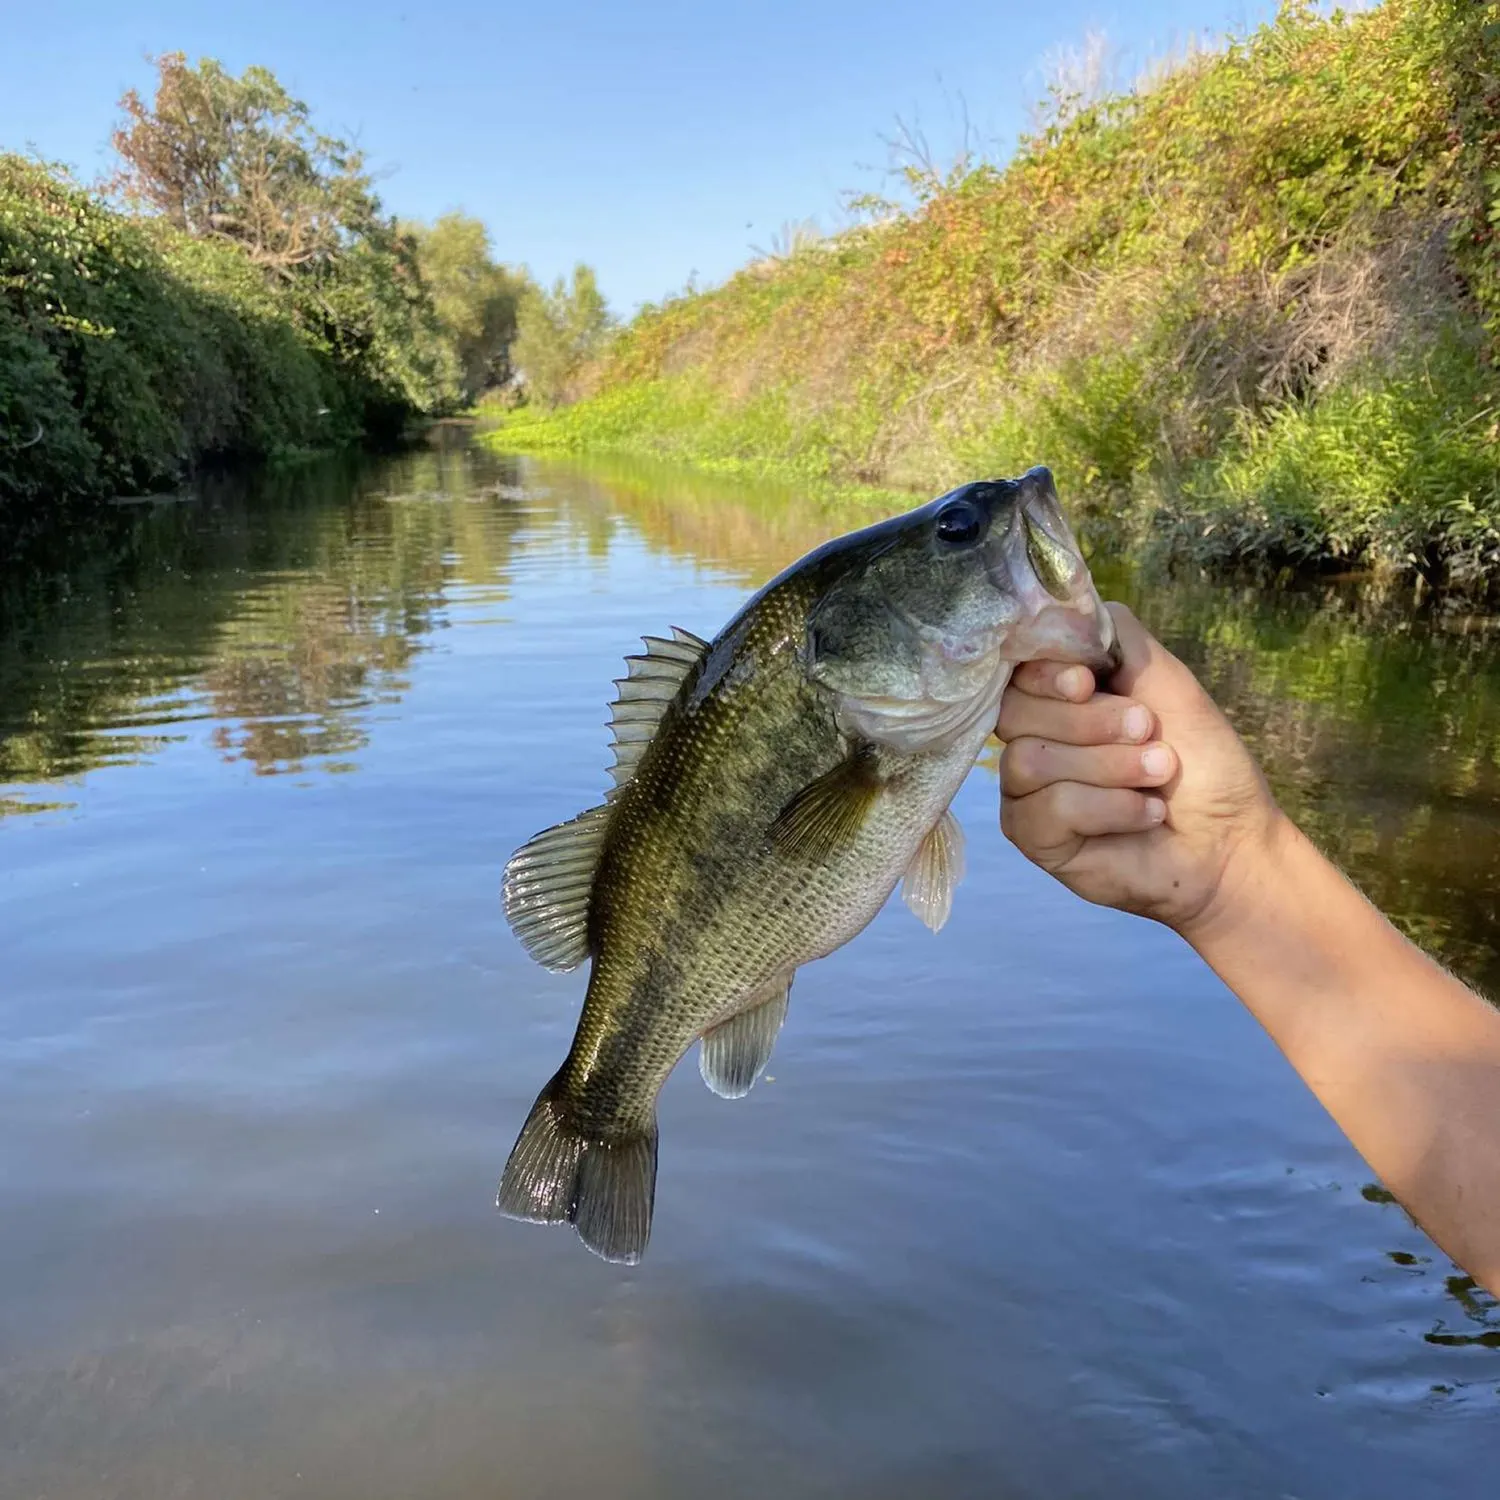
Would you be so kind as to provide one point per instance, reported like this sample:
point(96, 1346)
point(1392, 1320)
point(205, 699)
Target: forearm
point(1403, 1056)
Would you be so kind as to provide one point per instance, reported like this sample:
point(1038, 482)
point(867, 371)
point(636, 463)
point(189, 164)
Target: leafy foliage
point(262, 305)
point(1201, 302)
point(474, 298)
point(238, 159)
point(126, 349)
point(130, 351)
point(557, 332)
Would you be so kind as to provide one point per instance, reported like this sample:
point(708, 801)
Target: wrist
point(1258, 878)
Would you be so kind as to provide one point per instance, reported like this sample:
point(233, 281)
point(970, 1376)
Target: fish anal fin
point(934, 872)
point(651, 682)
point(825, 817)
point(548, 884)
point(735, 1052)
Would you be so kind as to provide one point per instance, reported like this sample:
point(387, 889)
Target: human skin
point(1143, 797)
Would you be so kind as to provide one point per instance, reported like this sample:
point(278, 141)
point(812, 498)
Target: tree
point(556, 332)
point(475, 299)
point(238, 159)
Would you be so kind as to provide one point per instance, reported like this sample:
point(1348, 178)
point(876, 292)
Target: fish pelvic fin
point(605, 1188)
point(735, 1052)
point(934, 873)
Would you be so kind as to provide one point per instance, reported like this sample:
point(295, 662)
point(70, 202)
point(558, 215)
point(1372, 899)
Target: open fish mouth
point(1033, 555)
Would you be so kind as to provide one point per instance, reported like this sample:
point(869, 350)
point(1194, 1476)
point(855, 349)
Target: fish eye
point(959, 523)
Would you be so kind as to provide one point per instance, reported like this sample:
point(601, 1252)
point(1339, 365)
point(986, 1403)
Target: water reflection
point(266, 1041)
point(1478, 1307)
point(284, 611)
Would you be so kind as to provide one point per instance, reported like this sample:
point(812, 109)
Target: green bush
point(1398, 468)
point(130, 351)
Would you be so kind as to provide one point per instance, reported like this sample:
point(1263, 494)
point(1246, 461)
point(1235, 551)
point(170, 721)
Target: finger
point(1103, 720)
point(1054, 821)
point(1054, 679)
point(1028, 764)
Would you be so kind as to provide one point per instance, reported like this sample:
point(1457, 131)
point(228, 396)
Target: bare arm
point(1404, 1057)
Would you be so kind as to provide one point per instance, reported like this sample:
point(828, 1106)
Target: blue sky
point(654, 140)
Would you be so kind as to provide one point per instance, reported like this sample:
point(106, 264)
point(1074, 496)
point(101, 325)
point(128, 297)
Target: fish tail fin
point(557, 1173)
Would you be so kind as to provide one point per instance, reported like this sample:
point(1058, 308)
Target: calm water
point(1029, 1209)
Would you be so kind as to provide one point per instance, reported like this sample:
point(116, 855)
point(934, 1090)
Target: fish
point(772, 787)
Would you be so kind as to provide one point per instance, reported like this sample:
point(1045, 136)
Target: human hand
point(1141, 797)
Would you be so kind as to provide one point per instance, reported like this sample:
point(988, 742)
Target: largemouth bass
point(772, 787)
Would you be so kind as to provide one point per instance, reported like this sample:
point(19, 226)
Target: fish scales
point(694, 909)
point(801, 763)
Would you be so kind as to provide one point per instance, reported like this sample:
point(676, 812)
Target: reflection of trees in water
point(748, 530)
point(291, 676)
point(1379, 727)
point(284, 605)
point(1477, 1307)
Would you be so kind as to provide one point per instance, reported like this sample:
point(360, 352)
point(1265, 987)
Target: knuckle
point(1112, 766)
point(1030, 675)
point(1100, 721)
point(1023, 757)
point(1008, 818)
point(1017, 716)
point(1060, 801)
point(1009, 779)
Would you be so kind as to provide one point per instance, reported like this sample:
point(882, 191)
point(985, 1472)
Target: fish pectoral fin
point(934, 872)
point(826, 816)
point(735, 1052)
point(548, 883)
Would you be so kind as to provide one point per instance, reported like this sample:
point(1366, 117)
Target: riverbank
point(130, 353)
point(1248, 312)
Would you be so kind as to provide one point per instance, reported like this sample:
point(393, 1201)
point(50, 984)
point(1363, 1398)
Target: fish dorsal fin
point(934, 872)
point(549, 881)
point(650, 684)
point(547, 887)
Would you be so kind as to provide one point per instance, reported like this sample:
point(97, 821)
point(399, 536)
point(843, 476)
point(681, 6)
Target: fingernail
point(1137, 722)
point(1156, 810)
point(1156, 761)
point(1071, 681)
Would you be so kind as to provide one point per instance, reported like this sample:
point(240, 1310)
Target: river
point(1028, 1209)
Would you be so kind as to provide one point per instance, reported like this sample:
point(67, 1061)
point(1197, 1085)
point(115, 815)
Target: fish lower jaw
point(1079, 631)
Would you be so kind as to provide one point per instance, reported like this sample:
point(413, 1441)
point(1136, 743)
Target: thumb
point(1147, 670)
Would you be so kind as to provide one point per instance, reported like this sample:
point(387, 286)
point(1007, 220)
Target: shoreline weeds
point(1123, 530)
